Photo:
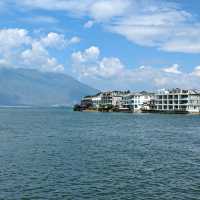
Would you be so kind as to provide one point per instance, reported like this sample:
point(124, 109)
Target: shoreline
point(145, 112)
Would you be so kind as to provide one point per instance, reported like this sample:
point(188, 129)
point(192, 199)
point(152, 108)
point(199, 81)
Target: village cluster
point(167, 101)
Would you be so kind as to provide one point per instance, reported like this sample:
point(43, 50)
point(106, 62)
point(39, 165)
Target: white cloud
point(161, 24)
point(196, 71)
point(88, 64)
point(19, 49)
point(13, 38)
point(76, 7)
point(185, 39)
point(111, 73)
point(38, 58)
point(90, 54)
point(74, 40)
point(109, 67)
point(54, 40)
point(168, 29)
point(89, 24)
point(104, 10)
point(174, 69)
point(99, 10)
point(40, 19)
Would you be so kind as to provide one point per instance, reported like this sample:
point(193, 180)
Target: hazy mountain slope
point(31, 87)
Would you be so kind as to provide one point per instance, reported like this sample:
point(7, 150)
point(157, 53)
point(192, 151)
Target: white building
point(136, 101)
point(175, 100)
point(178, 100)
point(110, 98)
point(96, 100)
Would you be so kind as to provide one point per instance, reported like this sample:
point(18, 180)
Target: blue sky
point(108, 44)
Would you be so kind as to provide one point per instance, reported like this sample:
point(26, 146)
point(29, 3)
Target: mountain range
point(36, 88)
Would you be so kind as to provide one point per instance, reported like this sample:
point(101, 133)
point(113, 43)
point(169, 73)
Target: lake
point(55, 153)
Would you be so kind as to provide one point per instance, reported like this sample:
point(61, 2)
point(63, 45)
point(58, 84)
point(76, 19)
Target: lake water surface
point(55, 153)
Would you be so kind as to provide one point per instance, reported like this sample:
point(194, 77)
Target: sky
point(107, 44)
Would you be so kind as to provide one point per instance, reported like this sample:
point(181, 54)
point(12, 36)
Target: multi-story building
point(96, 100)
point(177, 100)
point(136, 101)
point(111, 98)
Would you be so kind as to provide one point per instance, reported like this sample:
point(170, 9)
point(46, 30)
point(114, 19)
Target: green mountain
point(32, 87)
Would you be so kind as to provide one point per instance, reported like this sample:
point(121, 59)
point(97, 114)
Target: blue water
point(55, 153)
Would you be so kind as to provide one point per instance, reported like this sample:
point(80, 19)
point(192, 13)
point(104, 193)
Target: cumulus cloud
point(109, 67)
point(161, 24)
point(90, 54)
point(55, 40)
point(19, 49)
point(89, 64)
point(13, 38)
point(110, 73)
point(37, 57)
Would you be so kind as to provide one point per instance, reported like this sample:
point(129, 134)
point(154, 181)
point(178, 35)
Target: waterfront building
point(177, 100)
point(96, 100)
point(136, 101)
point(110, 98)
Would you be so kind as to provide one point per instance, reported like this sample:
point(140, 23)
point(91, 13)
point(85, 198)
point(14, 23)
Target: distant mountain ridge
point(35, 88)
